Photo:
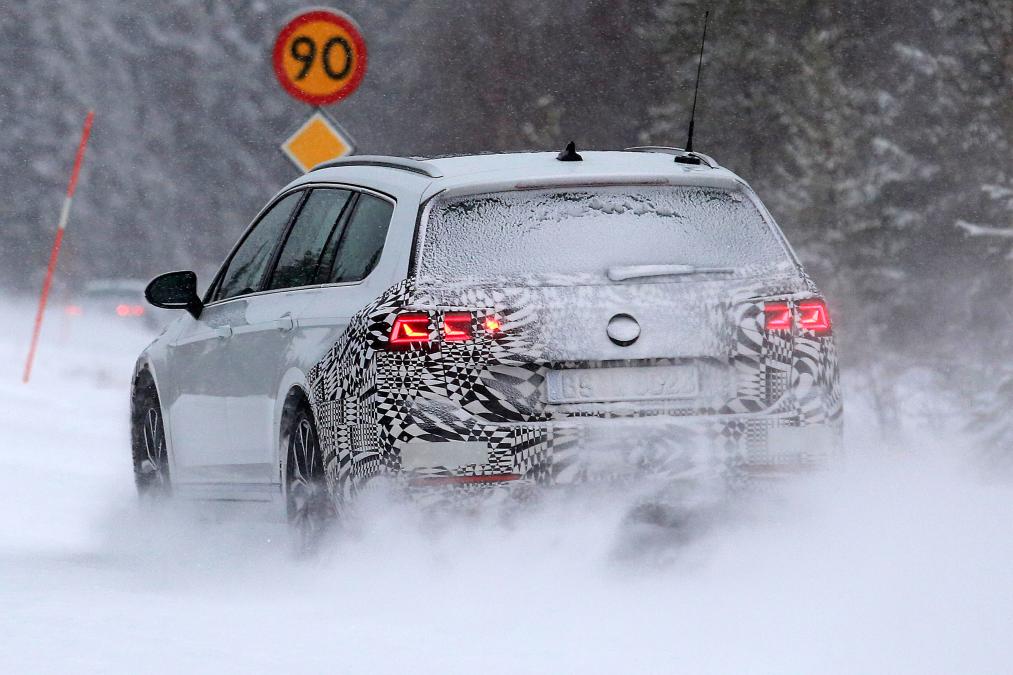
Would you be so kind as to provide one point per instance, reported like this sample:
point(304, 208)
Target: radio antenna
point(696, 88)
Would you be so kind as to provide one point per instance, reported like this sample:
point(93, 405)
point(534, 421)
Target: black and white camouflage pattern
point(370, 400)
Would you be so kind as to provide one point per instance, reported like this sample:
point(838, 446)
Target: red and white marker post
point(55, 253)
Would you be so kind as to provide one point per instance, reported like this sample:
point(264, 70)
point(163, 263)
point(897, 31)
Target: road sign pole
point(54, 254)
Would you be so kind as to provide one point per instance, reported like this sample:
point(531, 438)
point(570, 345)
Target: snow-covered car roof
point(470, 174)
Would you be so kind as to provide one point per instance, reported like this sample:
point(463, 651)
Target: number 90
point(304, 50)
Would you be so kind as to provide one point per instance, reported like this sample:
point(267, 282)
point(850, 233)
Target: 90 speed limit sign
point(320, 57)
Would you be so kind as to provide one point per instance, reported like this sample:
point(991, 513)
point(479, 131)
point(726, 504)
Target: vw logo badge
point(623, 330)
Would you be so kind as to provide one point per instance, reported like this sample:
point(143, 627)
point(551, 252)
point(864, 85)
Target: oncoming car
point(494, 320)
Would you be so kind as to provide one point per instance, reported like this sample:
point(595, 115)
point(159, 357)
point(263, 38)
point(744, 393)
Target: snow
point(469, 238)
point(901, 562)
point(975, 230)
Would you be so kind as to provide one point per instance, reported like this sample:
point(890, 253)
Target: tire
point(307, 501)
point(150, 455)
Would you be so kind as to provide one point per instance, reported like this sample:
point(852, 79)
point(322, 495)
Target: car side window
point(245, 271)
point(361, 242)
point(299, 262)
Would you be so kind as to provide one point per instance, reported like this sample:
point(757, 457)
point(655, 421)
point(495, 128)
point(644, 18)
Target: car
point(114, 299)
point(487, 322)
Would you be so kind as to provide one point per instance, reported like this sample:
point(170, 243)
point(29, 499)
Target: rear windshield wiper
point(641, 271)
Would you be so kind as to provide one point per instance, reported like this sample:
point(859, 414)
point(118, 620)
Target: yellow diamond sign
point(318, 140)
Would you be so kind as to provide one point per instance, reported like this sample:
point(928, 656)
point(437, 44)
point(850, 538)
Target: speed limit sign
point(320, 57)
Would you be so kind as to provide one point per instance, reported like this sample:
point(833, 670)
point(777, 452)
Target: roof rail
point(681, 154)
point(401, 163)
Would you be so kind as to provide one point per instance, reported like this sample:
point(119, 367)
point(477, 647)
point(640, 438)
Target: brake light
point(777, 316)
point(457, 327)
point(122, 310)
point(74, 310)
point(813, 315)
point(410, 329)
point(413, 329)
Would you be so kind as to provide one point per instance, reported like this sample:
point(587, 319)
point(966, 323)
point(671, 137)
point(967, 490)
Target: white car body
point(223, 379)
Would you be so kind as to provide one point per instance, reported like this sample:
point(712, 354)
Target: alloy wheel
point(151, 463)
point(307, 499)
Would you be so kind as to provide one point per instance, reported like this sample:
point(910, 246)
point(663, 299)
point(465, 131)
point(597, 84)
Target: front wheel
point(308, 503)
point(151, 459)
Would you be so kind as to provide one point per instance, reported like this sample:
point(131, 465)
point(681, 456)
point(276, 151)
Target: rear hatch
point(611, 300)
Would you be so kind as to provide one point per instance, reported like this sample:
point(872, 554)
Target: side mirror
point(175, 290)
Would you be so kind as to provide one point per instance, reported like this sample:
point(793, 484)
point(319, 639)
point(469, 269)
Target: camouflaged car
point(504, 319)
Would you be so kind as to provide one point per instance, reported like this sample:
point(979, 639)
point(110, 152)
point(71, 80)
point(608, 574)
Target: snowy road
point(903, 565)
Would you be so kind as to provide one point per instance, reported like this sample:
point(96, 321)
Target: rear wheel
point(151, 459)
point(307, 501)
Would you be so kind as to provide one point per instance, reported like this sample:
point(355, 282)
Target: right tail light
point(777, 316)
point(811, 315)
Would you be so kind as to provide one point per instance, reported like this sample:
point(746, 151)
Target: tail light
point(457, 327)
point(74, 310)
point(413, 329)
point(811, 314)
point(129, 310)
point(777, 316)
point(410, 329)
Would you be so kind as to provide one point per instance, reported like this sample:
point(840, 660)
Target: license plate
point(648, 383)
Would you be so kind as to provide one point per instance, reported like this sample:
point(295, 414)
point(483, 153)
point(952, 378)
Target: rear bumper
point(580, 450)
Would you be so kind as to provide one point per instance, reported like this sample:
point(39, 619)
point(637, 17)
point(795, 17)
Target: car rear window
point(577, 235)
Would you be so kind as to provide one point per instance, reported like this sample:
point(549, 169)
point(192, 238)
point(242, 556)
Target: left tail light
point(410, 329)
point(457, 327)
point(414, 329)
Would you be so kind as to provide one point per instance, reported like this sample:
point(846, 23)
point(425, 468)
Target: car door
point(362, 259)
point(347, 267)
point(262, 334)
point(200, 365)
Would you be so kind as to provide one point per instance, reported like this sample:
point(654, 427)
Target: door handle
point(223, 332)
point(285, 323)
